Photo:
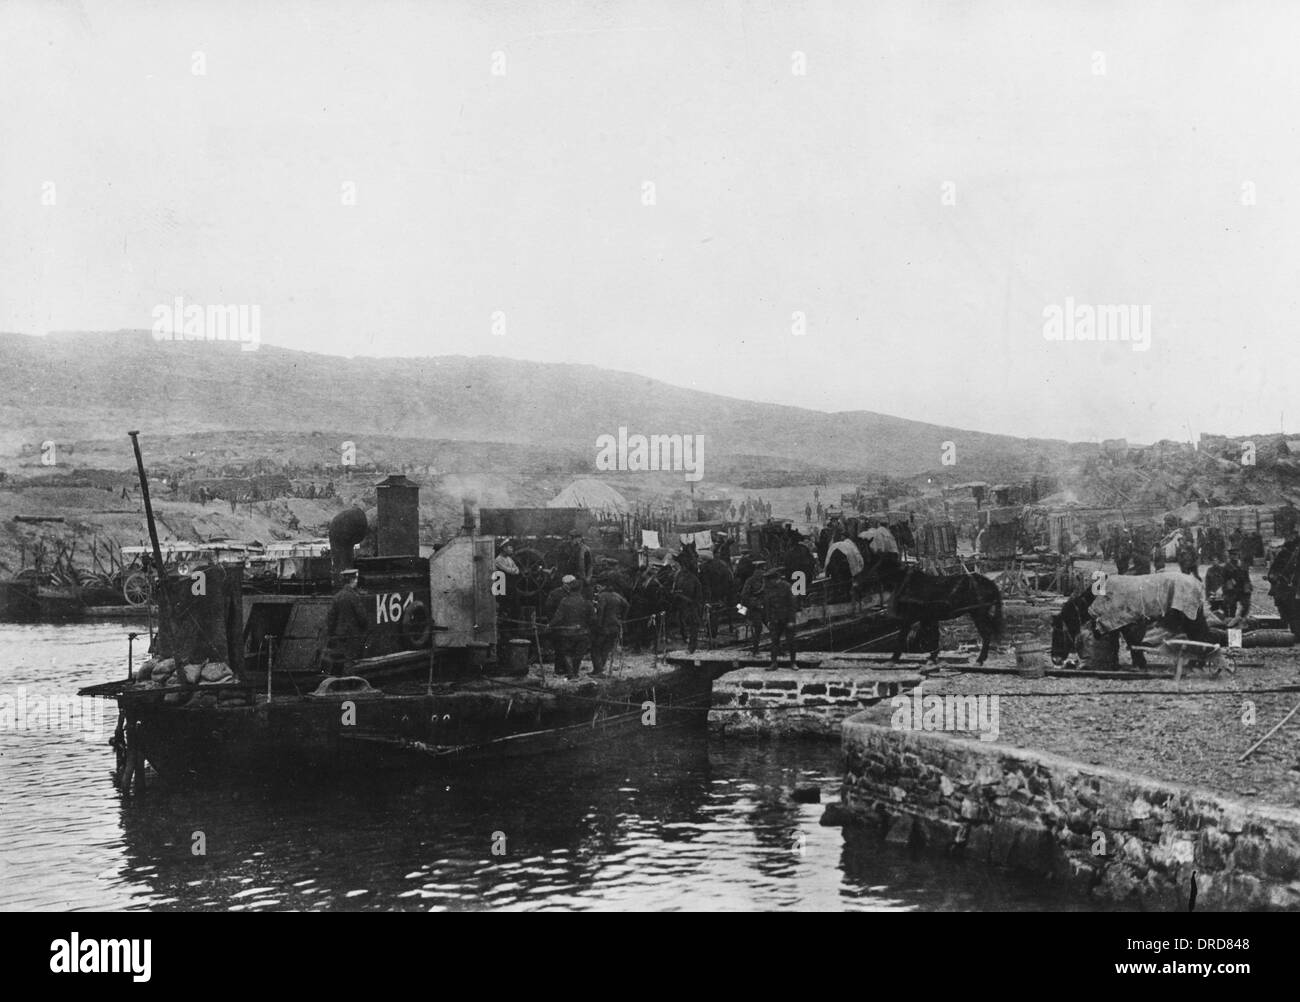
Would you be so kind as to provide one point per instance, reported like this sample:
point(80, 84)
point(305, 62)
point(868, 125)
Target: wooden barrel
point(517, 654)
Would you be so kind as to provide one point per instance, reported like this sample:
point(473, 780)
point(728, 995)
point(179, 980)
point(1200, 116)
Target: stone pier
point(1106, 833)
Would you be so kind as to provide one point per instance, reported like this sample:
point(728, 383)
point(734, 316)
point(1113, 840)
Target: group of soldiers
point(580, 623)
point(586, 614)
point(1227, 580)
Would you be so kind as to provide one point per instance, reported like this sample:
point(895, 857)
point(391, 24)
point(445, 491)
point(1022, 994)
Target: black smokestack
point(399, 518)
point(347, 529)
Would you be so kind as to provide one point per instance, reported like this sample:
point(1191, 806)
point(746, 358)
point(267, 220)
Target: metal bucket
point(1032, 660)
point(517, 655)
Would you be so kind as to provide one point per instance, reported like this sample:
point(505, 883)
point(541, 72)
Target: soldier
point(751, 600)
point(1252, 547)
point(1188, 562)
point(688, 597)
point(611, 608)
point(570, 627)
point(779, 611)
point(346, 624)
point(508, 601)
point(807, 513)
point(576, 559)
point(1236, 589)
point(1139, 561)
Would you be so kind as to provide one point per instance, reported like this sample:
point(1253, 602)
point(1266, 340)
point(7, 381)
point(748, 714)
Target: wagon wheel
point(137, 588)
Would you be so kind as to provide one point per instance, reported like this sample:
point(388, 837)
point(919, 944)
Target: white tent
point(592, 495)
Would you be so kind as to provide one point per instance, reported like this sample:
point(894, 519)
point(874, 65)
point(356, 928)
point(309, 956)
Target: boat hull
point(226, 732)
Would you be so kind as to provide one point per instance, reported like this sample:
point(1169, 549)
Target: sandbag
point(215, 671)
point(159, 669)
point(191, 674)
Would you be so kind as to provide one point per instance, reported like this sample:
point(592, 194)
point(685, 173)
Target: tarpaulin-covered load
point(1147, 596)
point(203, 618)
point(881, 539)
point(851, 553)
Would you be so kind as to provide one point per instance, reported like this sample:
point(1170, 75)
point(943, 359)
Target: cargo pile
point(165, 673)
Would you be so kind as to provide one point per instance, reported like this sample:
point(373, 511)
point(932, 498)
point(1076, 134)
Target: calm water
point(668, 822)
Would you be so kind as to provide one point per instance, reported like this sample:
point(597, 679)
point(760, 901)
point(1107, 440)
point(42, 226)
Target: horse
point(903, 535)
point(745, 566)
point(719, 586)
point(931, 598)
point(840, 572)
point(1067, 626)
point(1078, 611)
point(650, 599)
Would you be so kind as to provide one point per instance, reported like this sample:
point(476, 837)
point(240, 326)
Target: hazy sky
point(1105, 152)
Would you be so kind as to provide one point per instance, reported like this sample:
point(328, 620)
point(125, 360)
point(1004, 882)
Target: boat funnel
point(347, 529)
point(398, 533)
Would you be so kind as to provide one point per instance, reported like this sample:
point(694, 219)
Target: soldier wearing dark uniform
point(1251, 547)
point(1188, 562)
point(607, 624)
point(570, 628)
point(688, 598)
point(779, 611)
point(576, 559)
point(1236, 588)
point(751, 600)
point(346, 625)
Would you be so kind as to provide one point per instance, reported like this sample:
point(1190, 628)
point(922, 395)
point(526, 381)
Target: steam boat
point(244, 681)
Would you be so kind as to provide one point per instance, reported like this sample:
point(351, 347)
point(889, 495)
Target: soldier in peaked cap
point(346, 624)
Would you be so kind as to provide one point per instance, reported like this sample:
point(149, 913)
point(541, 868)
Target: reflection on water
point(667, 821)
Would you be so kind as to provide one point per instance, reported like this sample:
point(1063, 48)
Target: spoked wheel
point(137, 588)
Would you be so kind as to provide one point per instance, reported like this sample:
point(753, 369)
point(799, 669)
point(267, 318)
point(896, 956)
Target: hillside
point(82, 387)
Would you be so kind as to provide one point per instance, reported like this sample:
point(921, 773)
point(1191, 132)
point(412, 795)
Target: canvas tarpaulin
point(203, 619)
point(1146, 596)
point(851, 553)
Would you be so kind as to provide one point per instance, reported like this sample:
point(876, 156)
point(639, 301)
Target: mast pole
point(153, 528)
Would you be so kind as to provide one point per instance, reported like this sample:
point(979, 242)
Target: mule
point(1077, 613)
point(928, 599)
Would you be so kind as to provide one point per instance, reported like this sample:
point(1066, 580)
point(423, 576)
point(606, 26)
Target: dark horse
point(1076, 613)
point(719, 586)
point(927, 599)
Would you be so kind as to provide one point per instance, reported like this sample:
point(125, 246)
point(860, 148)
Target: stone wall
point(1106, 833)
point(805, 703)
